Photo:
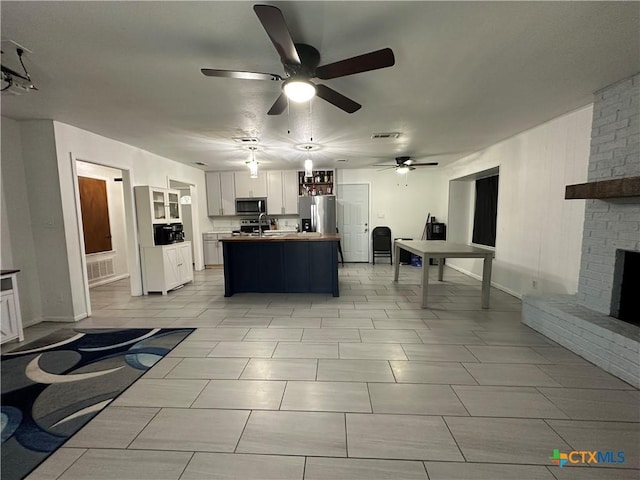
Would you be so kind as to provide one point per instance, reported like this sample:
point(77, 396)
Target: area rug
point(53, 386)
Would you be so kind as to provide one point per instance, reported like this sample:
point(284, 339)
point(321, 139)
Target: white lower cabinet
point(213, 248)
point(10, 318)
point(166, 267)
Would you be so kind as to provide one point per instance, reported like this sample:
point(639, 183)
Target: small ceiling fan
point(405, 164)
point(301, 62)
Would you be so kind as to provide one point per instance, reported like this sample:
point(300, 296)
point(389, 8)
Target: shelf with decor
point(320, 183)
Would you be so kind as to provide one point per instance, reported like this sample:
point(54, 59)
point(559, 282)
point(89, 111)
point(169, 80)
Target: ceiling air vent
point(202, 164)
point(384, 136)
point(246, 140)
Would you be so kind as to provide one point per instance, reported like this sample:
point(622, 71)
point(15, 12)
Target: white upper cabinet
point(247, 187)
point(220, 193)
point(275, 201)
point(155, 206)
point(283, 193)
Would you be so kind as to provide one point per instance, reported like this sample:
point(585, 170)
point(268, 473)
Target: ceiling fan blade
point(279, 105)
point(386, 167)
point(274, 24)
point(431, 164)
point(337, 99)
point(212, 72)
point(362, 63)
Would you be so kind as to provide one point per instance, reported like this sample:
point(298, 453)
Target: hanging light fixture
point(253, 164)
point(308, 164)
point(299, 89)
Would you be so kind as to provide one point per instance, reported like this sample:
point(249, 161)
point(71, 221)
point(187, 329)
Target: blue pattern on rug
point(53, 386)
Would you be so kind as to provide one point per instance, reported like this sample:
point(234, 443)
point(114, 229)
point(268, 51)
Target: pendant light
point(253, 164)
point(308, 165)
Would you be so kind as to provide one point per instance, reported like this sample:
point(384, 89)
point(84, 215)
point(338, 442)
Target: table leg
point(440, 268)
point(425, 281)
point(396, 267)
point(486, 281)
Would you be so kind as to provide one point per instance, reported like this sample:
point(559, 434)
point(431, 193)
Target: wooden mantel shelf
point(605, 189)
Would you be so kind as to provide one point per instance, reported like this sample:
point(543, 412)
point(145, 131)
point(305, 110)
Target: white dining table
point(441, 249)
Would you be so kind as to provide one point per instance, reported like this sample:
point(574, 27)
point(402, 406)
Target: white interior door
point(353, 222)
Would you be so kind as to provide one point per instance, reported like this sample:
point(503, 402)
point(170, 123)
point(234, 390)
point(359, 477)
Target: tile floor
point(364, 386)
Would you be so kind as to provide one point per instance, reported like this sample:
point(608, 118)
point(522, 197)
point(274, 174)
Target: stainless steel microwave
point(251, 206)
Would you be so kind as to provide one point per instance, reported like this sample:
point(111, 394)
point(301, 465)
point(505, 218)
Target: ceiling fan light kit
point(299, 90)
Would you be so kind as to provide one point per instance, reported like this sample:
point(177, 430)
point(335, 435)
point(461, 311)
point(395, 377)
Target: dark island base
point(281, 267)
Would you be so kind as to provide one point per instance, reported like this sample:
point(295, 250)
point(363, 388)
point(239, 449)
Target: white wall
point(399, 202)
point(115, 202)
point(539, 233)
point(18, 249)
point(38, 161)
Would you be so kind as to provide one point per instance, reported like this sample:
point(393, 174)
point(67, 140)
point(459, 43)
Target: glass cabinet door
point(159, 212)
point(174, 206)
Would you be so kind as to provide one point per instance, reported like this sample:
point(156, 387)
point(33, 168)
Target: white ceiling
point(467, 74)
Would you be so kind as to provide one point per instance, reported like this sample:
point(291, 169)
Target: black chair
point(382, 243)
point(340, 247)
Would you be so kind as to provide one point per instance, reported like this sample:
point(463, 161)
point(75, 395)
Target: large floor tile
point(164, 366)
point(408, 437)
point(373, 351)
point(306, 350)
point(193, 430)
point(347, 323)
point(513, 338)
point(399, 324)
point(510, 375)
point(354, 371)
point(114, 427)
point(319, 335)
point(193, 348)
point(485, 471)
point(243, 394)
point(294, 433)
point(505, 440)
point(587, 404)
point(452, 373)
point(56, 464)
point(594, 473)
point(603, 436)
point(127, 464)
point(522, 402)
point(584, 376)
point(389, 336)
point(243, 349)
point(220, 334)
point(274, 334)
point(449, 337)
point(162, 392)
point(359, 469)
point(243, 467)
point(326, 396)
point(296, 322)
point(416, 399)
point(208, 368)
point(506, 354)
point(280, 369)
point(438, 353)
point(560, 356)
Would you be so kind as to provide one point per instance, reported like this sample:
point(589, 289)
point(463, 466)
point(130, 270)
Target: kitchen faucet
point(260, 217)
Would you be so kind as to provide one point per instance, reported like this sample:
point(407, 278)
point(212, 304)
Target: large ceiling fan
point(405, 164)
point(301, 62)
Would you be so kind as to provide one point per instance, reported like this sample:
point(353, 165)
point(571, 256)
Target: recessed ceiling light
point(384, 136)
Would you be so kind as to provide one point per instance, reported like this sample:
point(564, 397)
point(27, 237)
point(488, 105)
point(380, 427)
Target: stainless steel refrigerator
point(318, 213)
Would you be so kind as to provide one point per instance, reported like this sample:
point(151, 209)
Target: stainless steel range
point(250, 225)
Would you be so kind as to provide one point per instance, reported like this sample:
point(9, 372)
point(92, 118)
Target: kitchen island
point(281, 263)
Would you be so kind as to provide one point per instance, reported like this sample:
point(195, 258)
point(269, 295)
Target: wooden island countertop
point(283, 237)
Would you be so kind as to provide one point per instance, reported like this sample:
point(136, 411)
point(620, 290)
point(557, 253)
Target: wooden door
point(95, 215)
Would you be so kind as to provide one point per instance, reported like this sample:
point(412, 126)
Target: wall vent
point(100, 269)
point(384, 136)
point(246, 140)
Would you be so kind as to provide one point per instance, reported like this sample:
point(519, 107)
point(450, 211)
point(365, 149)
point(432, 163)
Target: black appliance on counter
point(436, 231)
point(166, 234)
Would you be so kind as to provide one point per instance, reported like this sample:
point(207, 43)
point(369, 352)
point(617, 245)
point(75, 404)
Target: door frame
point(198, 252)
point(368, 184)
point(131, 231)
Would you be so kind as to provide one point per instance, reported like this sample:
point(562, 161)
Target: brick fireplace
point(590, 323)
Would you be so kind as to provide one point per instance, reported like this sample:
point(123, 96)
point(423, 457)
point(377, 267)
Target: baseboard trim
point(109, 280)
point(493, 284)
